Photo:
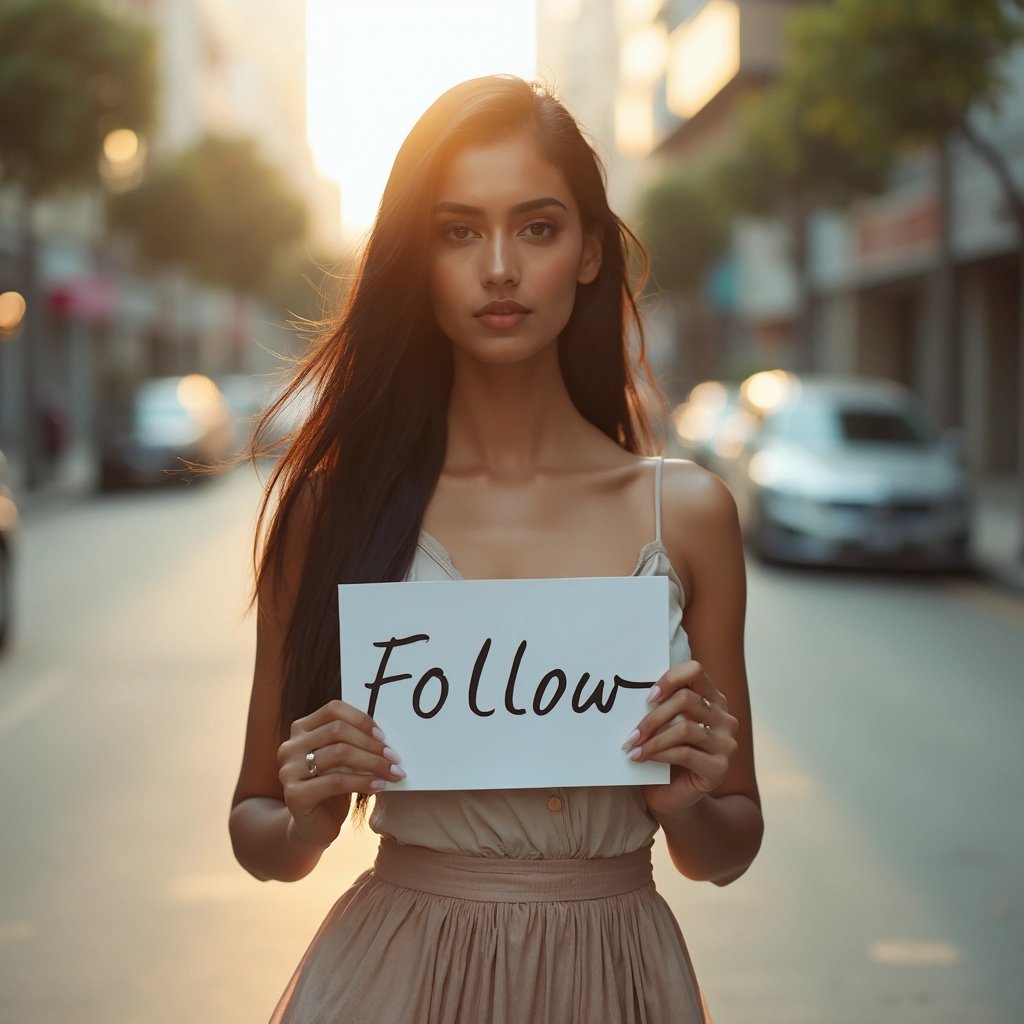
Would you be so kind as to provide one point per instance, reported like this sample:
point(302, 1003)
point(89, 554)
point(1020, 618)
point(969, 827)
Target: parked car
point(697, 422)
point(168, 428)
point(849, 471)
point(8, 520)
point(247, 396)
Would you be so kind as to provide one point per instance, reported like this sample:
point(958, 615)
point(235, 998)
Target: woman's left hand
point(689, 727)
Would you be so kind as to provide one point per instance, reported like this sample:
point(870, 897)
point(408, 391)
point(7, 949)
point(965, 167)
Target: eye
point(540, 229)
point(457, 232)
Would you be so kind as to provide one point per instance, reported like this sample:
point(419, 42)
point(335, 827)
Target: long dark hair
point(363, 466)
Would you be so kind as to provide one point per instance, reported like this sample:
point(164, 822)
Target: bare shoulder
point(700, 525)
point(689, 491)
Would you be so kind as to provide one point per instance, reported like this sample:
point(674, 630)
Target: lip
point(501, 308)
point(502, 316)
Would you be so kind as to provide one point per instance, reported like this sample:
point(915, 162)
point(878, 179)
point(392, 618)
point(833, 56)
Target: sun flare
point(373, 68)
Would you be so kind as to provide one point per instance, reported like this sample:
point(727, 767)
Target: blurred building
point(686, 68)
point(885, 303)
point(234, 67)
point(888, 297)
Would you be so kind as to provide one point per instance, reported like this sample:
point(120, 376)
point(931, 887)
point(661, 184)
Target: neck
point(510, 420)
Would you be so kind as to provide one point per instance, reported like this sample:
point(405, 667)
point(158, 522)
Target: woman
point(477, 407)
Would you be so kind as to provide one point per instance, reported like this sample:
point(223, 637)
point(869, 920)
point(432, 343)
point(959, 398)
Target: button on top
point(554, 804)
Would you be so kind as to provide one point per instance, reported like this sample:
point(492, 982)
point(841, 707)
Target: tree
point(219, 211)
point(70, 73)
point(894, 74)
point(782, 164)
point(685, 228)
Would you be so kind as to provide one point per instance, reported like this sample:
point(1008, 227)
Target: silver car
point(851, 471)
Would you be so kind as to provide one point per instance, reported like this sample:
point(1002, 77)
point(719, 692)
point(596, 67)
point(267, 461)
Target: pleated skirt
point(433, 938)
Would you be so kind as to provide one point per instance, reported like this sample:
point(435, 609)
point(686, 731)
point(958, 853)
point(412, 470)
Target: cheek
point(444, 288)
point(559, 278)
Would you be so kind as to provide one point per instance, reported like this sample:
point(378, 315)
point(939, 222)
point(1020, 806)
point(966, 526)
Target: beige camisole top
point(532, 823)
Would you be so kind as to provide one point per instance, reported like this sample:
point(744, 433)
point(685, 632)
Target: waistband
point(510, 880)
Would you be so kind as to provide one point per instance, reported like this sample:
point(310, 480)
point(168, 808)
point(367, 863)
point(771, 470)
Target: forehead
point(501, 174)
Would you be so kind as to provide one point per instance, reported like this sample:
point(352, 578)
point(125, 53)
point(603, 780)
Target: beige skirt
point(435, 938)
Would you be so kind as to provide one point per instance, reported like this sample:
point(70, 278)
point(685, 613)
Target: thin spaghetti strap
point(657, 497)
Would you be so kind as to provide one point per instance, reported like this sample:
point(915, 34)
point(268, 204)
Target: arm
point(711, 810)
point(282, 819)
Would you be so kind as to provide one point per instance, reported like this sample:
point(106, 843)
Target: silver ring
point(706, 703)
point(707, 728)
point(312, 766)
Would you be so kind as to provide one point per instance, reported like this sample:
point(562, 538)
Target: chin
point(503, 351)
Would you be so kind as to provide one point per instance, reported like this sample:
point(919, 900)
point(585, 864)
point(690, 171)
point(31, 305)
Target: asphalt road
point(887, 716)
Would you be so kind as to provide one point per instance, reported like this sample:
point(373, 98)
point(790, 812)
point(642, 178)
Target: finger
point(337, 710)
point(677, 733)
point(707, 770)
point(689, 675)
point(339, 731)
point(341, 758)
point(686, 703)
point(304, 797)
point(293, 754)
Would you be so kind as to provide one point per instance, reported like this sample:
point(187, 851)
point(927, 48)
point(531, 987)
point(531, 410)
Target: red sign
point(91, 297)
point(894, 230)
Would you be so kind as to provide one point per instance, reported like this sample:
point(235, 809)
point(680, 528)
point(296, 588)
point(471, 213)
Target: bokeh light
point(12, 312)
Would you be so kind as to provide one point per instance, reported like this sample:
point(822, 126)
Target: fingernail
point(631, 739)
point(655, 695)
point(397, 772)
point(391, 755)
point(376, 786)
point(634, 754)
point(377, 734)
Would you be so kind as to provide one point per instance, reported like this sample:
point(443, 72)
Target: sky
point(375, 65)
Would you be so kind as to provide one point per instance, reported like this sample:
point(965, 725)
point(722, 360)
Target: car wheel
point(6, 597)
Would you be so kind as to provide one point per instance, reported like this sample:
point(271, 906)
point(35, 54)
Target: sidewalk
point(997, 542)
point(74, 481)
point(999, 531)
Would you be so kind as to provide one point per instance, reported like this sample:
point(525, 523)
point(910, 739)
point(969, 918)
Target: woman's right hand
point(349, 756)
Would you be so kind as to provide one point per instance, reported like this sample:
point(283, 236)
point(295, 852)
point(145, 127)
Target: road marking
point(16, 931)
point(25, 704)
point(211, 887)
point(989, 599)
point(913, 954)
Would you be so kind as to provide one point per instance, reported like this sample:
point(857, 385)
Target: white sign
point(507, 684)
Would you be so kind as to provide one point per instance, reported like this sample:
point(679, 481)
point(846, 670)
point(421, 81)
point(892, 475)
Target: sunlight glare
point(374, 68)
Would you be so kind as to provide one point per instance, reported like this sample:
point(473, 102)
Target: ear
point(590, 258)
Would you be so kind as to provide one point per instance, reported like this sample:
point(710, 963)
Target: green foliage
point(865, 80)
point(685, 227)
point(898, 72)
point(70, 72)
point(306, 287)
point(218, 208)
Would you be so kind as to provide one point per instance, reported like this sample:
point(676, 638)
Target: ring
point(707, 728)
point(314, 768)
point(706, 703)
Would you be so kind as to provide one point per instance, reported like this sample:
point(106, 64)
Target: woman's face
point(508, 251)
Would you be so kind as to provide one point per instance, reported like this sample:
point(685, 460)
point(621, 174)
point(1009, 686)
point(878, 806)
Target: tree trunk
point(804, 340)
point(945, 300)
point(31, 340)
point(1014, 196)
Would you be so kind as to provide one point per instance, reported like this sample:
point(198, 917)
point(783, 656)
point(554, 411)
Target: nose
point(500, 264)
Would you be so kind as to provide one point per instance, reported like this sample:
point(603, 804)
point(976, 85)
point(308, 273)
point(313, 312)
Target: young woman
point(477, 416)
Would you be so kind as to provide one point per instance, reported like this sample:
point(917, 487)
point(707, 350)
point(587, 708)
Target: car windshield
point(817, 422)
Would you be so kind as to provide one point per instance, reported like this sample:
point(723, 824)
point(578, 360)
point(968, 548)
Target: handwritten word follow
point(430, 694)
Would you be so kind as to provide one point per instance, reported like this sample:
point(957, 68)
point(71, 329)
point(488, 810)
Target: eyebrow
point(475, 211)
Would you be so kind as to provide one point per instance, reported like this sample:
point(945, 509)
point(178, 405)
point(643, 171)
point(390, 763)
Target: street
point(887, 715)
